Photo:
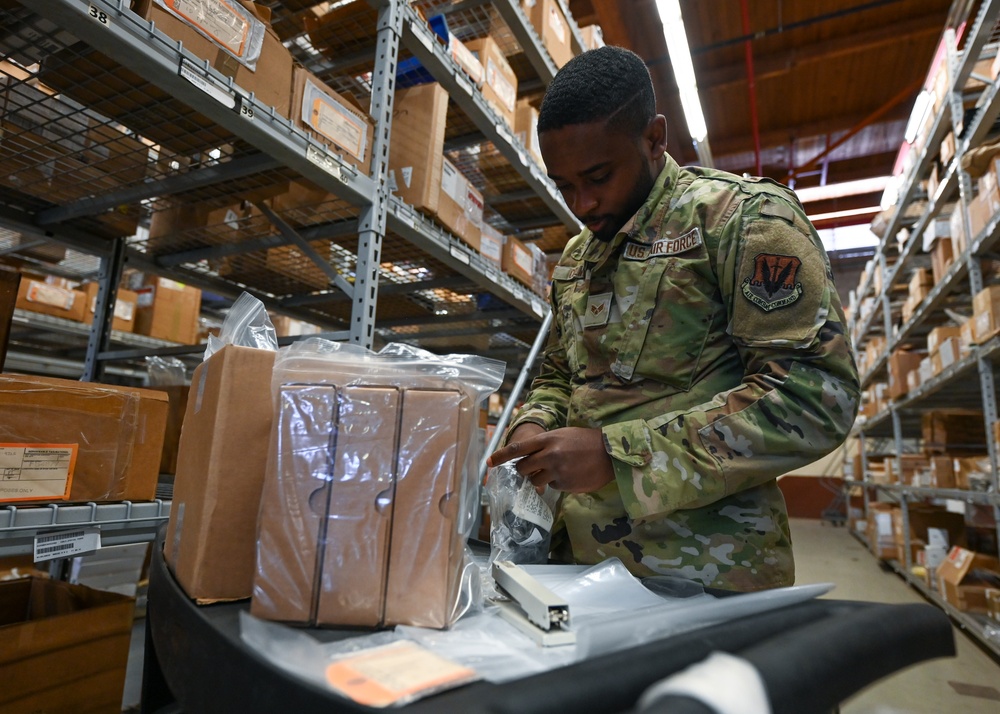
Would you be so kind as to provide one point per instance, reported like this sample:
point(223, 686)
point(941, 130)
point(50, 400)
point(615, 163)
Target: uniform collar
point(596, 251)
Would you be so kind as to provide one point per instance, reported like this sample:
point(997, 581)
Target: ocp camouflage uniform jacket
point(707, 342)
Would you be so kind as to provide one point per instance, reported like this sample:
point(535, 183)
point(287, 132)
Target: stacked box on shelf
point(986, 313)
point(126, 303)
point(36, 294)
point(953, 431)
point(880, 534)
point(965, 576)
point(919, 287)
point(549, 22)
point(901, 364)
point(972, 473)
point(332, 119)
point(922, 518)
point(986, 203)
point(168, 310)
point(909, 466)
point(499, 86)
point(526, 129)
point(943, 347)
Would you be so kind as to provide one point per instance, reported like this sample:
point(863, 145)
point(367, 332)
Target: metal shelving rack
point(970, 382)
point(380, 255)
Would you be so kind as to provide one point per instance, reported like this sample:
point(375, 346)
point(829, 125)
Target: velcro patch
point(663, 246)
point(774, 281)
point(598, 310)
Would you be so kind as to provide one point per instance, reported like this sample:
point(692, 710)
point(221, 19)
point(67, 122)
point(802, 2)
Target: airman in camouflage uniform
point(705, 341)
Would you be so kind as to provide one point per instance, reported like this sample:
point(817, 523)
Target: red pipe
point(751, 85)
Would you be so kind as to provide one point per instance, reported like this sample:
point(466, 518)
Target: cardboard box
point(942, 256)
point(953, 431)
point(947, 148)
point(285, 326)
point(949, 353)
point(65, 647)
point(879, 532)
point(920, 284)
point(958, 586)
point(942, 472)
point(177, 396)
point(986, 313)
point(972, 473)
point(499, 81)
point(549, 22)
point(460, 205)
point(593, 37)
point(967, 332)
point(526, 129)
point(909, 463)
point(210, 543)
point(126, 304)
point(76, 441)
point(168, 310)
point(901, 363)
point(357, 561)
point(332, 119)
point(416, 152)
point(491, 242)
point(518, 262)
point(48, 299)
point(939, 334)
point(923, 518)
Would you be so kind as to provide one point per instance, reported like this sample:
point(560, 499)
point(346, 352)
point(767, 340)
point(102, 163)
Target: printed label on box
point(491, 247)
point(501, 85)
point(557, 24)
point(224, 23)
point(466, 60)
point(36, 471)
point(145, 297)
point(473, 204)
point(453, 183)
point(523, 259)
point(334, 121)
point(124, 310)
point(46, 294)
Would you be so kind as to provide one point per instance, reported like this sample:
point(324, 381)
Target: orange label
point(36, 472)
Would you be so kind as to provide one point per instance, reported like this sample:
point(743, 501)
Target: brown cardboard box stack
point(953, 431)
point(986, 313)
point(518, 262)
point(901, 364)
point(126, 305)
point(104, 441)
point(919, 286)
point(222, 457)
point(921, 519)
point(65, 647)
point(549, 22)
point(499, 81)
point(943, 346)
point(880, 533)
point(526, 129)
point(168, 310)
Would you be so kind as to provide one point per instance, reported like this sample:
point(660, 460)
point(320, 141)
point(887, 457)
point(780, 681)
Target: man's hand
point(572, 459)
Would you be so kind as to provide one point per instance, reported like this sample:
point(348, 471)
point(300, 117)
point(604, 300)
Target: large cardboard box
point(499, 81)
point(332, 119)
point(70, 440)
point(939, 334)
point(526, 129)
point(47, 299)
point(460, 205)
point(942, 256)
point(518, 262)
point(986, 313)
point(901, 363)
point(416, 152)
point(65, 647)
point(953, 431)
point(957, 583)
point(549, 22)
point(211, 538)
point(879, 531)
point(168, 310)
point(126, 304)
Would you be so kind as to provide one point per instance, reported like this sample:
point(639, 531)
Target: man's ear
point(655, 136)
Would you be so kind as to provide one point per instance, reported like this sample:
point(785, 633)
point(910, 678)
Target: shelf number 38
point(99, 15)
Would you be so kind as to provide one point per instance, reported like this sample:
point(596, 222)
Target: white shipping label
point(232, 220)
point(124, 310)
point(883, 524)
point(145, 297)
point(529, 506)
point(36, 471)
point(937, 537)
point(934, 556)
point(225, 23)
point(66, 544)
point(46, 294)
point(506, 91)
point(557, 24)
point(523, 259)
point(453, 183)
point(491, 246)
point(336, 122)
point(466, 60)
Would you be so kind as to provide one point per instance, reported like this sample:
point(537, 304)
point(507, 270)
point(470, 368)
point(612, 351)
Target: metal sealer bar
point(540, 605)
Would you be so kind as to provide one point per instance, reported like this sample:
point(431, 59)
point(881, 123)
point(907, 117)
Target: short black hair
point(609, 83)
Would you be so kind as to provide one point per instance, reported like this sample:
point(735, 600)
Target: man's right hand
point(569, 459)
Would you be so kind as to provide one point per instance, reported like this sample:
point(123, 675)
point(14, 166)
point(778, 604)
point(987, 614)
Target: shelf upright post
point(372, 222)
point(99, 340)
point(904, 502)
point(886, 305)
point(863, 476)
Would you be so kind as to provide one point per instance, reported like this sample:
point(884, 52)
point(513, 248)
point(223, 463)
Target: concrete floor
point(968, 683)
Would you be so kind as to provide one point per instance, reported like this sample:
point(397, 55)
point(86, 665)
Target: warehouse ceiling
point(840, 74)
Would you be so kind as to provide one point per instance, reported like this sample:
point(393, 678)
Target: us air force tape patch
point(663, 246)
point(773, 284)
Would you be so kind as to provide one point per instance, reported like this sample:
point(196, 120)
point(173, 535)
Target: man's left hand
point(571, 459)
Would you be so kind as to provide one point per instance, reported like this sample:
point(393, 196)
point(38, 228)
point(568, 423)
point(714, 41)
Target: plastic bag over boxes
point(371, 485)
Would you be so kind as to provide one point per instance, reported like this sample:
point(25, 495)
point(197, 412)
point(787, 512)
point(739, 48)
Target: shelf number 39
point(99, 15)
point(245, 109)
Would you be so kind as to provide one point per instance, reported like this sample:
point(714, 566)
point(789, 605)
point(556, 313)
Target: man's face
point(604, 176)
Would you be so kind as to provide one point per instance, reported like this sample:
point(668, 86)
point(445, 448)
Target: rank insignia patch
point(773, 283)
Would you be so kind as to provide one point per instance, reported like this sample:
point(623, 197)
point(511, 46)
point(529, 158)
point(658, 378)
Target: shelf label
point(245, 108)
point(67, 543)
point(536, 307)
point(208, 85)
point(424, 38)
point(325, 161)
point(96, 13)
point(36, 472)
point(460, 255)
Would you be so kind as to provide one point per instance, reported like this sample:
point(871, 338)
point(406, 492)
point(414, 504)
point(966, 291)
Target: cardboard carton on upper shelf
point(942, 472)
point(901, 363)
point(491, 244)
point(986, 313)
point(593, 37)
point(126, 304)
point(78, 441)
point(920, 284)
point(332, 119)
point(549, 22)
point(957, 582)
point(42, 297)
point(168, 310)
point(210, 544)
point(65, 646)
point(526, 129)
point(518, 261)
point(416, 152)
point(460, 205)
point(939, 334)
point(972, 473)
point(942, 256)
point(948, 353)
point(499, 81)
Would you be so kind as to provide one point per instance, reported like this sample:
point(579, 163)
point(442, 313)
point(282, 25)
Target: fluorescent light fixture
point(920, 109)
point(680, 59)
point(847, 237)
point(844, 214)
point(842, 190)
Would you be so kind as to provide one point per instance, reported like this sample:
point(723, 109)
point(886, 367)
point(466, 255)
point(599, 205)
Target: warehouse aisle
point(968, 683)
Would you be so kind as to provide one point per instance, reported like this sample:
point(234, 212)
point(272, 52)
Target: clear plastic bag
point(246, 325)
point(520, 519)
point(166, 371)
point(372, 486)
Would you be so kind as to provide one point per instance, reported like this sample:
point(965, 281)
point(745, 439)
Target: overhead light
point(680, 58)
point(844, 214)
point(842, 190)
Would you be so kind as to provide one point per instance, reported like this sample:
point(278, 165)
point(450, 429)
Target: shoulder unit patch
point(773, 284)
